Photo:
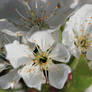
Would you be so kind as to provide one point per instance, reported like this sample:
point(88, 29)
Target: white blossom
point(34, 15)
point(77, 35)
point(36, 65)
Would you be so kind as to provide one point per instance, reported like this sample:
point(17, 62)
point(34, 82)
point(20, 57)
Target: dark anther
point(35, 50)
point(47, 79)
point(58, 6)
point(46, 75)
point(43, 60)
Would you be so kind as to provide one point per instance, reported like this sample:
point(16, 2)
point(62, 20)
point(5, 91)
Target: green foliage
point(82, 77)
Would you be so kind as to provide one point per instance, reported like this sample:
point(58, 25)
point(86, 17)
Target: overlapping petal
point(32, 76)
point(43, 39)
point(7, 80)
point(58, 75)
point(60, 53)
point(18, 54)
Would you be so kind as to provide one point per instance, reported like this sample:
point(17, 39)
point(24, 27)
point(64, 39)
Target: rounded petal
point(43, 39)
point(18, 54)
point(55, 34)
point(7, 80)
point(32, 76)
point(80, 20)
point(58, 75)
point(89, 54)
point(79, 24)
point(60, 53)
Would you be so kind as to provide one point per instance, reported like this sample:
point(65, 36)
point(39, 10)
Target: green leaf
point(82, 77)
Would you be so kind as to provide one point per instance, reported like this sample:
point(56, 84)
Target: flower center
point(32, 19)
point(43, 60)
point(40, 56)
point(82, 43)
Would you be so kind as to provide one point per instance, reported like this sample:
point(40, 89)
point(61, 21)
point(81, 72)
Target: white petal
point(18, 54)
point(32, 76)
point(8, 28)
point(43, 39)
point(61, 14)
point(58, 75)
point(67, 37)
point(7, 80)
point(74, 51)
point(80, 20)
point(89, 54)
point(60, 53)
point(56, 35)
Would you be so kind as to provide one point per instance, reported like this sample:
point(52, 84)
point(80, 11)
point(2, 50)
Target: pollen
point(89, 23)
point(81, 30)
point(41, 19)
point(91, 17)
point(32, 12)
point(26, 12)
point(49, 2)
point(47, 17)
point(19, 34)
point(15, 9)
point(28, 70)
point(58, 6)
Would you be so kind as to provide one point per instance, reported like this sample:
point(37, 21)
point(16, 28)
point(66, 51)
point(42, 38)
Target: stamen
point(26, 12)
point(20, 14)
point(46, 75)
point(47, 79)
point(19, 37)
point(53, 13)
point(26, 2)
point(44, 72)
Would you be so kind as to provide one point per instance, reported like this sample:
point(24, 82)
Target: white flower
point(36, 66)
point(35, 15)
point(77, 35)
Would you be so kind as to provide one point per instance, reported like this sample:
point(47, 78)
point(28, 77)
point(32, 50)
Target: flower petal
point(43, 39)
point(89, 54)
point(8, 28)
point(62, 11)
point(18, 54)
point(7, 8)
point(75, 51)
point(60, 53)
point(7, 80)
point(67, 37)
point(32, 76)
point(58, 75)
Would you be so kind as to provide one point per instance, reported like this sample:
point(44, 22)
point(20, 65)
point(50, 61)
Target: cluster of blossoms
point(37, 56)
